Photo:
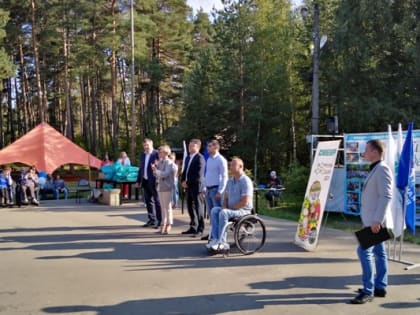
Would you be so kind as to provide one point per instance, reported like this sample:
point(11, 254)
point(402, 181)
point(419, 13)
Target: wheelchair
point(249, 234)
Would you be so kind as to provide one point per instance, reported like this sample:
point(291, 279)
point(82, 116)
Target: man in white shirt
point(215, 177)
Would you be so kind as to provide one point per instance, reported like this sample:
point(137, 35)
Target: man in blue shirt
point(60, 186)
point(215, 178)
point(237, 202)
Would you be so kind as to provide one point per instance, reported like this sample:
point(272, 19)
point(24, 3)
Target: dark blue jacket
point(195, 178)
point(154, 157)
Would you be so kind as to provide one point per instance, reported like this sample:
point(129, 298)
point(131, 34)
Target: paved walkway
point(68, 258)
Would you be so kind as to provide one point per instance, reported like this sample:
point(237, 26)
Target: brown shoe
point(168, 229)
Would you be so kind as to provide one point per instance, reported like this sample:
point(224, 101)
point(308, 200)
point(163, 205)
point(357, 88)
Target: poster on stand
point(316, 195)
point(357, 168)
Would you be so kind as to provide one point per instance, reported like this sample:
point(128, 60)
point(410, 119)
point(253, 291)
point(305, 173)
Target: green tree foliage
point(6, 66)
point(374, 51)
point(242, 74)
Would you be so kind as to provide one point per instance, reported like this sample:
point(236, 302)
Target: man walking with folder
point(376, 195)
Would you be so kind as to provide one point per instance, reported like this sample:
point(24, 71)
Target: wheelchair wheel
point(249, 234)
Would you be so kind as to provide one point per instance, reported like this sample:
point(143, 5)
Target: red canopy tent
point(46, 149)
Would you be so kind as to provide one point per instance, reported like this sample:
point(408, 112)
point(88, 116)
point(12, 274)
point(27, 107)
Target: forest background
point(242, 74)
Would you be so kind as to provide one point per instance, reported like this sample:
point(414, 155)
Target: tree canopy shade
point(46, 149)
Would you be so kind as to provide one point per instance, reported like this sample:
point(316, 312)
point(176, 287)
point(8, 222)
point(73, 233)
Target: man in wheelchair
point(237, 202)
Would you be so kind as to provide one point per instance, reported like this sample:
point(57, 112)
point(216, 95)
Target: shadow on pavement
point(210, 304)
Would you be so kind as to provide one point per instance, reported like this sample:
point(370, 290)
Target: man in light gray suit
point(376, 195)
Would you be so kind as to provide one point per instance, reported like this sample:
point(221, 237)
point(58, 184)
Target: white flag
point(185, 155)
point(394, 213)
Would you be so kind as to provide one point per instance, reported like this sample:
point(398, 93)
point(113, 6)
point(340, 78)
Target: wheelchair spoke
point(249, 234)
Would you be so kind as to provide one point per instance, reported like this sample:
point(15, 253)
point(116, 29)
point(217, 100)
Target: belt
point(212, 187)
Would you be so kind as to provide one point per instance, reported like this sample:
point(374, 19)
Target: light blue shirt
point(236, 189)
point(216, 172)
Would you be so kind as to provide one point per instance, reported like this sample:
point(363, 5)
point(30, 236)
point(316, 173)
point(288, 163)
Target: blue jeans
point(175, 193)
point(219, 218)
point(211, 200)
point(370, 282)
point(57, 193)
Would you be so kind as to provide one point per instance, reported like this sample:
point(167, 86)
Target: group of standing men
point(205, 183)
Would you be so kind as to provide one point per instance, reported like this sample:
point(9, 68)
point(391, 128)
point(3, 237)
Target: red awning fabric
point(46, 149)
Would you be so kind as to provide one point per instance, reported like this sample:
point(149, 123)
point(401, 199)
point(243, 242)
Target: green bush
point(296, 179)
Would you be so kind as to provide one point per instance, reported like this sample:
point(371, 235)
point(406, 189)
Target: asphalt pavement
point(70, 258)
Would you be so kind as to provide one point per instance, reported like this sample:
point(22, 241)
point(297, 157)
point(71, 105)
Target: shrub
point(296, 179)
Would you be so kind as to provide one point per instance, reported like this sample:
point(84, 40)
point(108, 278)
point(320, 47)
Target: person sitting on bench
point(30, 182)
point(46, 185)
point(6, 187)
point(60, 187)
point(237, 202)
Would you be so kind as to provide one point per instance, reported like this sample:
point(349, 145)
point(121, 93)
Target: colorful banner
point(316, 194)
point(357, 168)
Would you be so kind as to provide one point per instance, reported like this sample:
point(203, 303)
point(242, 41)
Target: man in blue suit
point(147, 180)
point(193, 183)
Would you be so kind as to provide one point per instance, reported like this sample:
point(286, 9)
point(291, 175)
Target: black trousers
point(151, 199)
point(195, 206)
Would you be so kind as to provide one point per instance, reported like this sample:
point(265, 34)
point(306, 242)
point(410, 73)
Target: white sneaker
point(220, 246)
point(211, 243)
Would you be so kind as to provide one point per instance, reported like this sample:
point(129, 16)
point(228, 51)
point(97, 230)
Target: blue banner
point(406, 179)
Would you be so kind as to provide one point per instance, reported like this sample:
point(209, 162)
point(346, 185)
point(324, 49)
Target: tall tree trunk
point(113, 62)
point(123, 99)
point(1, 118)
point(133, 145)
point(242, 90)
point(85, 88)
point(68, 111)
point(24, 86)
point(41, 107)
point(18, 109)
point(11, 124)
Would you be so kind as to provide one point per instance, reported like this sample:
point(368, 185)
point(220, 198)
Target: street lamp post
point(133, 90)
point(315, 75)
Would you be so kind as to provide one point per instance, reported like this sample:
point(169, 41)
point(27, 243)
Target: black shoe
point(198, 234)
point(376, 292)
point(189, 231)
point(205, 238)
point(157, 225)
point(362, 298)
point(149, 223)
point(379, 293)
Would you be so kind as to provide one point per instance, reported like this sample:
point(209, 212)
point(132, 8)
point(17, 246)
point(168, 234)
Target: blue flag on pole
point(406, 179)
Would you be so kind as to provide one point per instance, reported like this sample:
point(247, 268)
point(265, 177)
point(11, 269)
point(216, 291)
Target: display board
point(316, 194)
point(357, 168)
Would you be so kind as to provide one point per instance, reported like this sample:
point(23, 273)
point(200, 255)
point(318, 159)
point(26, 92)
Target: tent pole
point(89, 175)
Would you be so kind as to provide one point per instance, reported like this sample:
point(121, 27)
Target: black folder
point(367, 239)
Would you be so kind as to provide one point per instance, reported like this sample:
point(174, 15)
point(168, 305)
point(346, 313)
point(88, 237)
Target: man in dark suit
point(193, 181)
point(147, 180)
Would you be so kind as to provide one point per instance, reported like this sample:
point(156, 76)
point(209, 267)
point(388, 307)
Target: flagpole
point(184, 145)
point(403, 221)
point(405, 184)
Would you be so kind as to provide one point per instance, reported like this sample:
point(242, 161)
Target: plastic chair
point(83, 185)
